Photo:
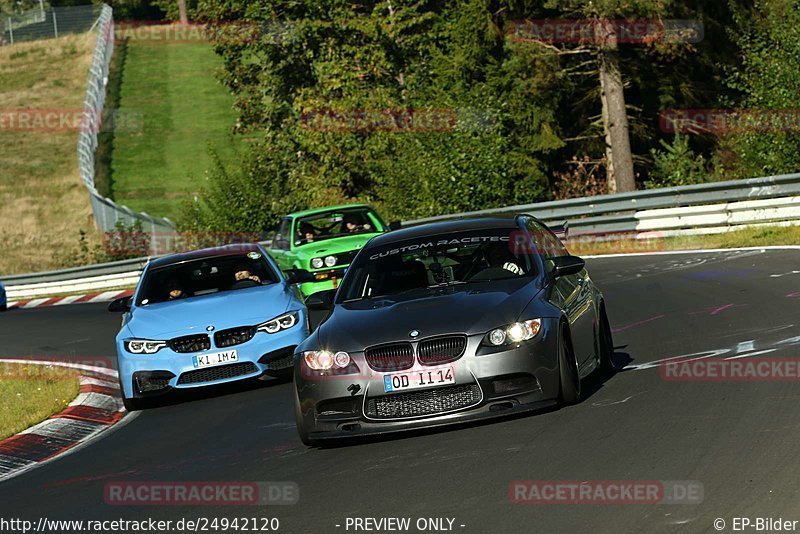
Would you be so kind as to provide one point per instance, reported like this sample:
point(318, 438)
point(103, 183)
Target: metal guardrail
point(106, 212)
point(699, 208)
point(616, 213)
point(100, 269)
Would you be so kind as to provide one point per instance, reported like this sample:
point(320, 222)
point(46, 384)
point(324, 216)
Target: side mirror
point(298, 276)
point(321, 301)
point(395, 225)
point(566, 265)
point(122, 304)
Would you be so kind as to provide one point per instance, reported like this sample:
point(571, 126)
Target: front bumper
point(328, 279)
point(488, 383)
point(144, 375)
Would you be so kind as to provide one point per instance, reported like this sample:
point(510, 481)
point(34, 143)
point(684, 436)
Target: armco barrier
point(618, 213)
point(106, 212)
point(705, 208)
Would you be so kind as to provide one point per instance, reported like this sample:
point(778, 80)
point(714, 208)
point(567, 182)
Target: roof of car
point(211, 252)
point(315, 211)
point(449, 226)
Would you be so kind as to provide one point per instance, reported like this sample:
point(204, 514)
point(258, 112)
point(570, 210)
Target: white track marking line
point(699, 251)
point(747, 355)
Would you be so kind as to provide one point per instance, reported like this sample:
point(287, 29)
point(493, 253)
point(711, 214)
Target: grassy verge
point(32, 393)
point(180, 110)
point(44, 203)
point(746, 237)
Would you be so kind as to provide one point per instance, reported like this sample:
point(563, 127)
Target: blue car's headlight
point(282, 322)
point(144, 346)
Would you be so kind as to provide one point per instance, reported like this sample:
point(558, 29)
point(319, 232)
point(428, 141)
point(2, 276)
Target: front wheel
point(605, 344)
point(298, 419)
point(569, 381)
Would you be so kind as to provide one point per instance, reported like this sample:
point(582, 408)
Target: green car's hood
point(335, 245)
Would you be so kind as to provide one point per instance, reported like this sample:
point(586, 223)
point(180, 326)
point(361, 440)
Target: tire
point(605, 344)
point(132, 405)
point(298, 420)
point(569, 382)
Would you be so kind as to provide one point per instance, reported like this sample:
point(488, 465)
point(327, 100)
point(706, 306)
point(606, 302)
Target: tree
point(764, 138)
point(184, 17)
point(603, 45)
point(422, 58)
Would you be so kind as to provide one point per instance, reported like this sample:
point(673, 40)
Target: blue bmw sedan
point(208, 317)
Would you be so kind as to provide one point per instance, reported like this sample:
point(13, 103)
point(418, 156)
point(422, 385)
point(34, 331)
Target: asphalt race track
point(739, 439)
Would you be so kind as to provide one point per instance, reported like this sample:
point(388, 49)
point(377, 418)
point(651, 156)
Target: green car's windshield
point(336, 223)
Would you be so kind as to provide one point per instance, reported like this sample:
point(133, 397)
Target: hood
point(227, 309)
point(335, 245)
point(469, 309)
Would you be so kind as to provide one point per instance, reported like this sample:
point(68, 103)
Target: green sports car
point(324, 241)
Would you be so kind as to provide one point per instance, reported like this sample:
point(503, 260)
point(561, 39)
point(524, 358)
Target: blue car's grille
point(234, 336)
point(195, 343)
point(220, 372)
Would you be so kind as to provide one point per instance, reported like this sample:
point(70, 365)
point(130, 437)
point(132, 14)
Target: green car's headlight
point(327, 261)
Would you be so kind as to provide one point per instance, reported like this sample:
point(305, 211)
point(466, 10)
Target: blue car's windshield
point(205, 276)
point(438, 261)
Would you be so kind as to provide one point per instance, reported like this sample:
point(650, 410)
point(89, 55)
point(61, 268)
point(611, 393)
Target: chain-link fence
point(107, 213)
point(47, 22)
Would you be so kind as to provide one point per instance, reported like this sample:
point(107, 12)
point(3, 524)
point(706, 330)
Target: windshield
point(205, 276)
point(338, 223)
point(437, 261)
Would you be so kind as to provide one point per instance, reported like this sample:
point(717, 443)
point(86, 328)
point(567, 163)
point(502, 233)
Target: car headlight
point(282, 322)
point(322, 360)
point(317, 263)
point(514, 333)
point(144, 346)
point(330, 261)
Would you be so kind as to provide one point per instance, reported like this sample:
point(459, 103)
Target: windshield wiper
point(447, 284)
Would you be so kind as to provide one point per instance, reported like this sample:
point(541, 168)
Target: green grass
point(44, 203)
point(173, 92)
point(32, 393)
